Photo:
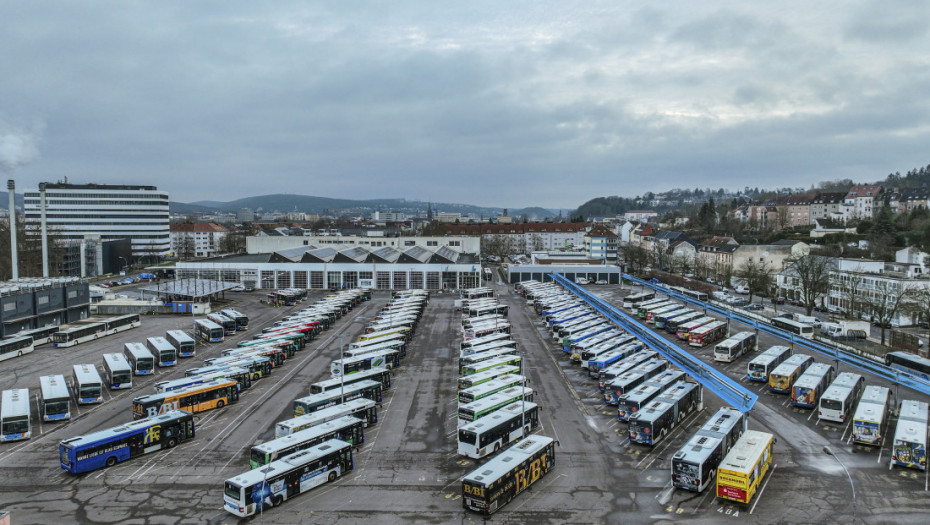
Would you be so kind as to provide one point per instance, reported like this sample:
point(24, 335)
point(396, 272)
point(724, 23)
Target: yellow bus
point(197, 398)
point(784, 375)
point(741, 472)
point(402, 330)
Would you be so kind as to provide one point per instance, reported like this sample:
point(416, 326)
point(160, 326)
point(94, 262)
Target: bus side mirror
point(558, 443)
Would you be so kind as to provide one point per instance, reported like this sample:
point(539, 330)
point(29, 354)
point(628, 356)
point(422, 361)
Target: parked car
point(820, 308)
point(923, 324)
point(754, 307)
point(779, 300)
point(796, 302)
point(601, 281)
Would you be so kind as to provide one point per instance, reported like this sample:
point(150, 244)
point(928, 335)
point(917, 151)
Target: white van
point(742, 290)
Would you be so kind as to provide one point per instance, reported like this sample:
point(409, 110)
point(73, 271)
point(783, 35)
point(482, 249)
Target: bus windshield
point(831, 404)
point(15, 425)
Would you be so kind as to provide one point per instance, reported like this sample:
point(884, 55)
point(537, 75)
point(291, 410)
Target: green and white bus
point(483, 366)
point(346, 428)
point(493, 386)
point(471, 412)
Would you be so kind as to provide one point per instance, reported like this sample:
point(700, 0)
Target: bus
point(382, 375)
point(471, 412)
point(910, 363)
point(806, 391)
point(470, 395)
point(494, 484)
point(672, 324)
point(207, 331)
point(242, 320)
point(694, 466)
point(78, 334)
point(389, 359)
point(632, 378)
point(117, 371)
point(55, 401)
point(276, 354)
point(484, 366)
point(632, 301)
point(871, 413)
point(280, 480)
point(184, 343)
point(476, 311)
point(364, 409)
point(693, 294)
point(647, 310)
point(602, 363)
point(785, 374)
point(489, 434)
point(659, 320)
point(363, 389)
point(40, 336)
point(476, 359)
point(165, 353)
point(684, 329)
point(106, 448)
point(607, 375)
point(509, 344)
point(15, 347)
point(398, 346)
point(762, 365)
point(734, 346)
point(674, 308)
point(651, 424)
point(742, 470)
point(487, 375)
point(122, 322)
point(707, 334)
point(909, 448)
point(346, 428)
point(840, 397)
point(257, 366)
point(15, 423)
point(791, 326)
point(198, 398)
point(477, 341)
point(88, 387)
point(229, 325)
point(140, 359)
point(630, 403)
point(232, 373)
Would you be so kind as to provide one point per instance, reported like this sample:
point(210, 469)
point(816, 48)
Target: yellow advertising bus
point(741, 472)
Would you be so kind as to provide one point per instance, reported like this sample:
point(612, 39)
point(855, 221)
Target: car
point(601, 281)
point(710, 280)
point(238, 288)
point(923, 324)
point(796, 302)
point(754, 307)
point(819, 308)
point(779, 300)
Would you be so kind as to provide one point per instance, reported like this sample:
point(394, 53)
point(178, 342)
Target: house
point(830, 205)
point(909, 199)
point(799, 209)
point(862, 198)
point(199, 239)
point(600, 242)
point(640, 215)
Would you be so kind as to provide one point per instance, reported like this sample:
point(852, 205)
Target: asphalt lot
point(408, 470)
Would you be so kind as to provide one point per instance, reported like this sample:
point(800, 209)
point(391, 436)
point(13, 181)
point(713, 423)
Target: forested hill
point(915, 178)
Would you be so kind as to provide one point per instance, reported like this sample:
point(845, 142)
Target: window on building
point(316, 280)
point(432, 243)
point(384, 281)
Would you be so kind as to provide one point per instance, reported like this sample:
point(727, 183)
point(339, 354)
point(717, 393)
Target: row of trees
point(28, 251)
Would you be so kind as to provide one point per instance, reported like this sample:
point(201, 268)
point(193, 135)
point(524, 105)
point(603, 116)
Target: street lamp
point(827, 451)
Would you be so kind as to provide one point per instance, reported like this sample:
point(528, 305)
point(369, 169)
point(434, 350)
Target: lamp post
point(342, 371)
point(827, 451)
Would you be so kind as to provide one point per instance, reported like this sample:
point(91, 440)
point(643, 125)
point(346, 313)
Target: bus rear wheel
point(171, 443)
point(332, 477)
point(111, 461)
point(220, 403)
point(277, 500)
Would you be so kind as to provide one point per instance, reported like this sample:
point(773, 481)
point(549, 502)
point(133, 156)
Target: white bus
point(909, 448)
point(789, 325)
point(184, 343)
point(78, 334)
point(632, 301)
point(14, 415)
point(118, 371)
point(88, 387)
point(165, 353)
point(694, 466)
point(493, 386)
point(762, 365)
point(272, 485)
point(871, 415)
point(346, 428)
point(489, 434)
point(734, 346)
point(838, 399)
point(15, 347)
point(208, 331)
point(471, 412)
point(362, 408)
point(40, 336)
point(55, 401)
point(242, 320)
point(140, 359)
point(229, 325)
point(122, 322)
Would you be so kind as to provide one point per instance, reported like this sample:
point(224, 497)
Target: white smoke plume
point(19, 145)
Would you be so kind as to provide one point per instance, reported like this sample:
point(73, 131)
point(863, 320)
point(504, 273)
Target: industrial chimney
point(42, 205)
point(11, 188)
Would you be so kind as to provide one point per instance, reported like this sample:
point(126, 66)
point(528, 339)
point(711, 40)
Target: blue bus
point(106, 448)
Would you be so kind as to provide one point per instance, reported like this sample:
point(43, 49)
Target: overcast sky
point(492, 103)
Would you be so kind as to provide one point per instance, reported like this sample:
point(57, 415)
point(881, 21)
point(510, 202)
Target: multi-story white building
point(862, 198)
point(200, 239)
point(76, 211)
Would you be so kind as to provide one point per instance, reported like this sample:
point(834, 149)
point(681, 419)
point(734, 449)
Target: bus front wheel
point(111, 461)
point(277, 500)
point(220, 403)
point(332, 477)
point(171, 443)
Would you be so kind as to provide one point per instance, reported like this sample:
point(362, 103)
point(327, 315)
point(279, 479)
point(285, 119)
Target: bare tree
point(232, 243)
point(757, 276)
point(884, 301)
point(918, 304)
point(635, 256)
point(811, 273)
point(497, 245)
point(849, 287)
point(186, 246)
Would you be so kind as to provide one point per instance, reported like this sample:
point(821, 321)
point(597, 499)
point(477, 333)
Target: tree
point(635, 256)
point(435, 229)
point(29, 250)
point(757, 276)
point(882, 234)
point(497, 245)
point(186, 247)
point(232, 243)
point(849, 287)
point(918, 303)
point(811, 274)
point(883, 302)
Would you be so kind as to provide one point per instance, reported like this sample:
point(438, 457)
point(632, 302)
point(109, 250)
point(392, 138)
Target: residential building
point(909, 199)
point(715, 258)
point(863, 199)
point(269, 244)
point(528, 237)
point(200, 239)
point(640, 215)
point(601, 243)
point(830, 205)
point(76, 211)
point(799, 209)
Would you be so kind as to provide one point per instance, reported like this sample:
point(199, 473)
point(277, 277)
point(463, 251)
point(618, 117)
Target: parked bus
point(659, 320)
point(741, 471)
point(199, 398)
point(910, 363)
point(165, 353)
point(838, 399)
point(231, 373)
point(106, 448)
point(55, 401)
point(632, 301)
point(363, 389)
point(374, 336)
point(15, 347)
point(487, 375)
point(707, 334)
point(475, 360)
point(607, 375)
point(117, 371)
point(122, 322)
point(229, 325)
point(685, 329)
point(632, 378)
point(909, 448)
point(398, 346)
point(346, 428)
point(15, 421)
point(497, 482)
point(40, 336)
point(871, 414)
point(490, 434)
point(762, 365)
point(693, 294)
point(242, 320)
point(257, 366)
point(477, 341)
point(651, 424)
point(673, 308)
point(789, 325)
point(470, 412)
point(88, 387)
point(647, 310)
point(381, 375)
point(484, 349)
point(254, 491)
point(78, 334)
point(470, 395)
point(185, 344)
point(630, 403)
point(734, 346)
point(364, 409)
point(483, 366)
point(806, 391)
point(785, 374)
point(672, 324)
point(207, 331)
point(389, 359)
point(694, 466)
point(140, 359)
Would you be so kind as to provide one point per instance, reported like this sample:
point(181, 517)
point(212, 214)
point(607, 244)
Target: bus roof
point(159, 343)
point(182, 391)
point(54, 387)
point(87, 439)
point(15, 402)
point(813, 375)
point(327, 414)
point(698, 449)
point(180, 336)
point(790, 364)
point(86, 373)
point(735, 339)
point(275, 468)
point(723, 421)
point(137, 349)
point(335, 381)
point(513, 409)
point(507, 460)
point(770, 355)
point(349, 389)
point(116, 361)
point(746, 452)
point(306, 434)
